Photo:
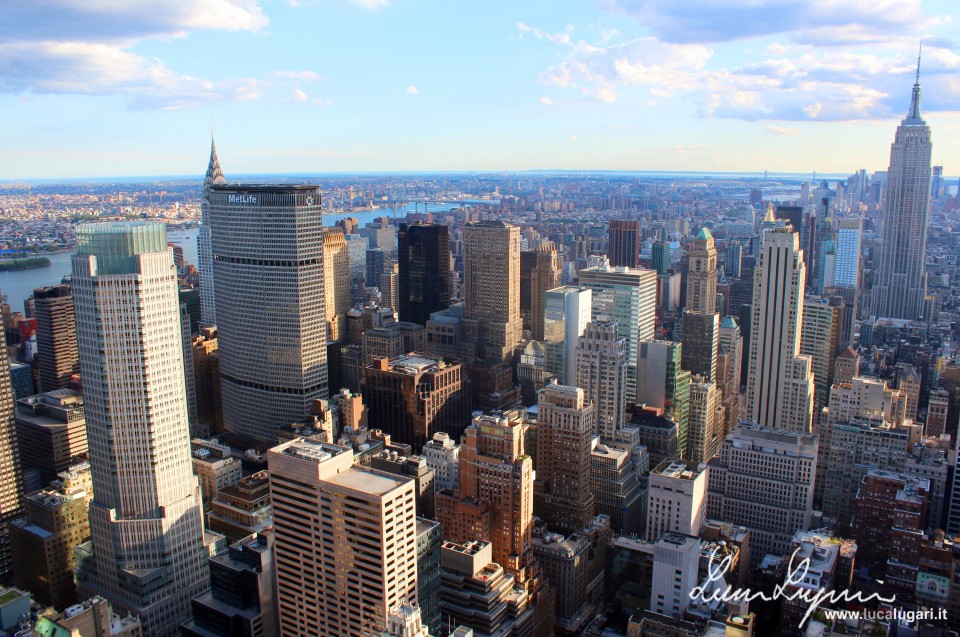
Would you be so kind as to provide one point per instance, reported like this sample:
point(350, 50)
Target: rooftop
point(678, 469)
point(368, 480)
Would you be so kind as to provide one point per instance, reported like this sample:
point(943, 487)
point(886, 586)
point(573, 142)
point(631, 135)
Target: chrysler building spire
point(214, 176)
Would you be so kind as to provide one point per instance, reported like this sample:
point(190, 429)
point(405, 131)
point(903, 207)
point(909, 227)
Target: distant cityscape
point(484, 404)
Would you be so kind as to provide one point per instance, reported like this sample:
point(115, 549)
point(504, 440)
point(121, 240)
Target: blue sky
point(114, 88)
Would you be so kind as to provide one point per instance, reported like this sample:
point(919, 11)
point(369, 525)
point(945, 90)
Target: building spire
point(913, 117)
point(214, 176)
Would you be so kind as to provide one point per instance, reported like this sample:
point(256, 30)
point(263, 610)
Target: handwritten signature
point(795, 577)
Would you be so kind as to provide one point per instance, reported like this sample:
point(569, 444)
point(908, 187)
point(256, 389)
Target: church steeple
point(214, 176)
point(913, 117)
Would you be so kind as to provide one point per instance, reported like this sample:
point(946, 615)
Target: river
point(19, 284)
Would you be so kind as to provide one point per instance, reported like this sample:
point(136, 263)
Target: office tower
point(357, 247)
point(205, 251)
point(406, 621)
point(376, 263)
point(847, 366)
point(702, 274)
point(763, 480)
point(820, 340)
point(566, 423)
point(660, 257)
point(424, 281)
point(495, 504)
point(240, 600)
point(206, 378)
point(734, 259)
point(705, 428)
point(909, 382)
point(412, 397)
point(575, 564)
point(701, 343)
point(676, 498)
point(56, 337)
point(566, 314)
point(389, 290)
point(664, 384)
point(474, 589)
point(938, 186)
point(336, 282)
point(21, 379)
point(214, 467)
point(780, 380)
point(937, 406)
point(242, 509)
point(729, 364)
point(901, 284)
point(361, 559)
point(393, 460)
point(668, 292)
point(428, 573)
point(539, 272)
point(623, 243)
point(629, 298)
point(145, 520)
point(847, 266)
point(51, 433)
point(189, 379)
point(442, 454)
point(676, 559)
point(43, 541)
point(532, 374)
point(601, 357)
point(491, 280)
point(268, 265)
point(380, 234)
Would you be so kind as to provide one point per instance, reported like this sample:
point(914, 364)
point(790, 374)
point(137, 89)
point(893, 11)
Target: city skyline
point(617, 85)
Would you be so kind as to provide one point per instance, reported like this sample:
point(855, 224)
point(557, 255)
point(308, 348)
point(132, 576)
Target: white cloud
point(96, 57)
point(372, 5)
point(728, 20)
point(782, 130)
point(572, 138)
point(546, 100)
point(321, 101)
point(799, 83)
point(297, 76)
point(412, 90)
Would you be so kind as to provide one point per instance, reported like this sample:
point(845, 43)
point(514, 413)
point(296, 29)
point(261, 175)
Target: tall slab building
point(423, 253)
point(145, 518)
point(780, 381)
point(623, 243)
point(56, 337)
point(11, 477)
point(269, 278)
point(901, 283)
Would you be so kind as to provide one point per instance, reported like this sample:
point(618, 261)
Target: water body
point(19, 285)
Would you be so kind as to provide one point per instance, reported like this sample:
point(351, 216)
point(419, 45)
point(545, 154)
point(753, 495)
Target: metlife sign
point(242, 199)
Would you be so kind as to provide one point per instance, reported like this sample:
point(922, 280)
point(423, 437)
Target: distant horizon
point(237, 178)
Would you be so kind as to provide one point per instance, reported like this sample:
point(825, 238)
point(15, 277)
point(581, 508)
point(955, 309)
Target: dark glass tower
point(623, 243)
point(424, 256)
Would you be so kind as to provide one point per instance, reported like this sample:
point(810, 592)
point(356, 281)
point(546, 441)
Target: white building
point(567, 310)
point(442, 455)
point(345, 541)
point(676, 498)
point(145, 518)
point(676, 559)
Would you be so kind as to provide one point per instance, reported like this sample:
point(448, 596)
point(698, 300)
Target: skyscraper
point(660, 257)
point(567, 312)
point(11, 478)
point(901, 284)
point(602, 373)
point(208, 298)
point(56, 337)
point(344, 541)
point(376, 261)
point(565, 430)
point(424, 256)
point(145, 519)
point(628, 297)
point(539, 272)
point(336, 282)
point(268, 265)
point(701, 343)
point(623, 243)
point(491, 282)
point(846, 270)
point(702, 274)
point(780, 380)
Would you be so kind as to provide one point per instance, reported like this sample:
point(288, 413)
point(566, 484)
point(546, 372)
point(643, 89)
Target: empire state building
point(901, 283)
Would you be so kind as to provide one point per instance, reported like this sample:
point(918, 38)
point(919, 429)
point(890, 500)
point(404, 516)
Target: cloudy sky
point(108, 88)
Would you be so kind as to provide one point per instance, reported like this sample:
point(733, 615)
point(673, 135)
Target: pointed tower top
point(770, 217)
point(913, 116)
point(214, 176)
